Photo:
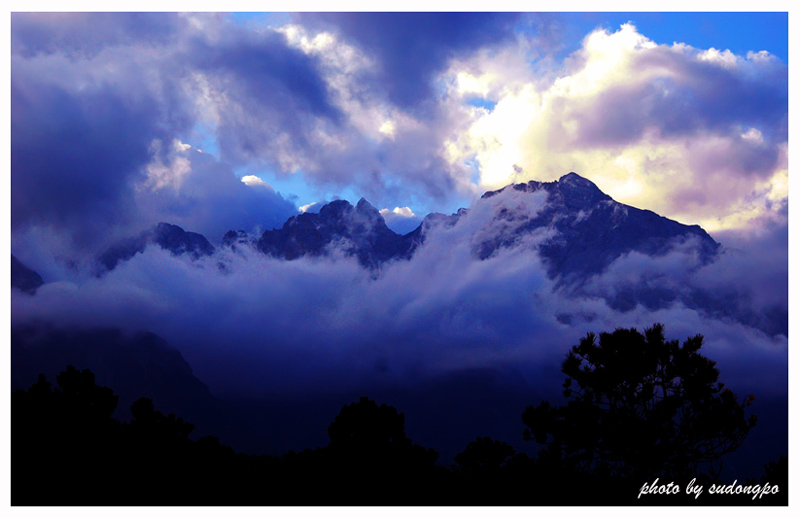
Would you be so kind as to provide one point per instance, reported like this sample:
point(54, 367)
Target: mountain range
point(591, 230)
point(577, 231)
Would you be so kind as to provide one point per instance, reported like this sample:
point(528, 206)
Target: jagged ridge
point(167, 236)
point(592, 230)
point(360, 231)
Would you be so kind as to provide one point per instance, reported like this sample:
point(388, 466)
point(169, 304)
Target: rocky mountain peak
point(365, 207)
point(358, 231)
point(165, 235)
point(580, 193)
point(590, 230)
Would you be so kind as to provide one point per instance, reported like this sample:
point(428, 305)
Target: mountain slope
point(169, 237)
point(23, 278)
point(593, 230)
point(580, 231)
point(358, 231)
point(134, 364)
point(575, 228)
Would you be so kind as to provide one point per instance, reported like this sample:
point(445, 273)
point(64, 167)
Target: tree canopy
point(639, 406)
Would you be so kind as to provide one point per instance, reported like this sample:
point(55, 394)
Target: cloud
point(344, 102)
point(210, 199)
point(382, 150)
point(74, 154)
point(266, 326)
point(402, 219)
point(699, 136)
point(173, 172)
point(305, 208)
point(56, 33)
point(410, 48)
point(84, 115)
point(266, 98)
point(100, 118)
point(254, 181)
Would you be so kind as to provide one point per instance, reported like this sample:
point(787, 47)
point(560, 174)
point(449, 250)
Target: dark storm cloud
point(75, 154)
point(271, 73)
point(84, 112)
point(269, 88)
point(718, 98)
point(755, 268)
point(87, 34)
point(410, 48)
point(92, 95)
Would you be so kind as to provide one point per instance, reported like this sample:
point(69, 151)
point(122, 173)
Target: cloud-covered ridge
point(325, 320)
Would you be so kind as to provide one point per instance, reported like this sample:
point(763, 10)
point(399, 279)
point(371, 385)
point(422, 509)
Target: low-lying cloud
point(252, 324)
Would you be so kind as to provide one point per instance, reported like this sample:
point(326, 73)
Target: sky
point(160, 117)
point(239, 121)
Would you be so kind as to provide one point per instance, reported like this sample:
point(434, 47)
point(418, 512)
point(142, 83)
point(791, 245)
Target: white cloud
point(168, 168)
point(402, 212)
point(254, 181)
point(726, 58)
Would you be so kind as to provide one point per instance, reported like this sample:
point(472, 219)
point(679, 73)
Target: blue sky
point(738, 31)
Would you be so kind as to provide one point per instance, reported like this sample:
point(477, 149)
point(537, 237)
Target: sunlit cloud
point(254, 181)
point(305, 208)
point(403, 212)
point(627, 113)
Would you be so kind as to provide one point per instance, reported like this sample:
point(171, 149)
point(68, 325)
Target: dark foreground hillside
point(659, 441)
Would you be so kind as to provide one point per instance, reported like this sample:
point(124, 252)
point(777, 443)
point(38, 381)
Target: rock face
point(169, 237)
point(592, 230)
point(358, 231)
point(234, 238)
point(23, 278)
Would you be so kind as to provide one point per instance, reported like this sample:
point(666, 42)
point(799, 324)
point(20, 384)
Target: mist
point(250, 324)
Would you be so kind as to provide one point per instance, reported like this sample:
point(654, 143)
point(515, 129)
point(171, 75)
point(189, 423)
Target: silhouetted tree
point(67, 450)
point(155, 426)
point(373, 436)
point(639, 407)
point(369, 449)
point(65, 430)
point(484, 455)
point(777, 472)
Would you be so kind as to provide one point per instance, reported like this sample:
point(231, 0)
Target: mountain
point(23, 278)
point(582, 231)
point(579, 231)
point(134, 364)
point(169, 237)
point(589, 230)
point(593, 230)
point(358, 231)
point(234, 238)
